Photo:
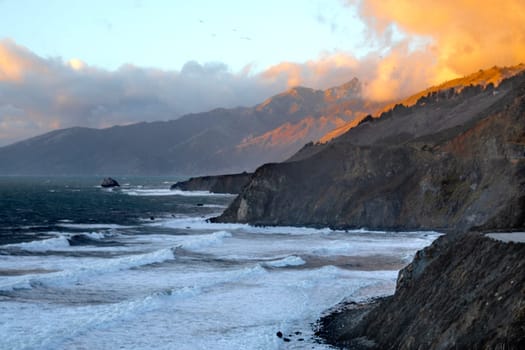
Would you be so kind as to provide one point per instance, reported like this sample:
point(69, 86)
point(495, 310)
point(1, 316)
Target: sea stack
point(109, 182)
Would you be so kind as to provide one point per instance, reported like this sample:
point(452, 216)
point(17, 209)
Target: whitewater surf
point(157, 274)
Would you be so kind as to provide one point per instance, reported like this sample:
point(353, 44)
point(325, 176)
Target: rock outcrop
point(465, 291)
point(233, 183)
point(109, 182)
point(453, 161)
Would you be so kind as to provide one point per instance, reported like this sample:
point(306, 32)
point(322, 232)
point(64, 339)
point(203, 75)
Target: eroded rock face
point(233, 183)
point(449, 165)
point(463, 292)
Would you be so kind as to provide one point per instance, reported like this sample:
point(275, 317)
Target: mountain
point(493, 76)
point(218, 141)
point(452, 161)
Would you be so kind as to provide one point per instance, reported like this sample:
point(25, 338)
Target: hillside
point(218, 141)
point(492, 76)
point(455, 162)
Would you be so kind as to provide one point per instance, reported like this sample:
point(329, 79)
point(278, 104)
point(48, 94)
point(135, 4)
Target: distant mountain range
point(218, 141)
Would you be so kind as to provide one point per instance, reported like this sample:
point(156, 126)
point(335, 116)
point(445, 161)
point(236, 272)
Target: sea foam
point(55, 243)
point(292, 260)
point(168, 192)
point(203, 224)
point(81, 270)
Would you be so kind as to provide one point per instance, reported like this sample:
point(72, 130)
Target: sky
point(103, 63)
point(166, 34)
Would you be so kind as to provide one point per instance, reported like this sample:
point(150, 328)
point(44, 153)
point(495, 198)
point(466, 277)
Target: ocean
point(82, 267)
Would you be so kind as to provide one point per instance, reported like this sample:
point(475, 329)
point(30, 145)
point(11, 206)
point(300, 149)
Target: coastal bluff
point(233, 183)
point(465, 291)
point(453, 162)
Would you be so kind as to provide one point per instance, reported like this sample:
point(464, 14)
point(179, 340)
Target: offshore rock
point(465, 291)
point(233, 183)
point(109, 182)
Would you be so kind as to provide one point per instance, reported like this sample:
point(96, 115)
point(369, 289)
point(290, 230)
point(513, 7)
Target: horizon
point(50, 84)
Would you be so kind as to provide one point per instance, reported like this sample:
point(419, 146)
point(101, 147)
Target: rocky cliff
point(463, 292)
point(453, 161)
point(233, 183)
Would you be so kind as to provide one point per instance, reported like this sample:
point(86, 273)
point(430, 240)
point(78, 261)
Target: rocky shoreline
point(232, 183)
point(465, 291)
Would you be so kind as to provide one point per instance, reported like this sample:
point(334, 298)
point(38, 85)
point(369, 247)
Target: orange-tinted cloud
point(398, 74)
point(437, 41)
point(327, 71)
point(15, 61)
point(461, 36)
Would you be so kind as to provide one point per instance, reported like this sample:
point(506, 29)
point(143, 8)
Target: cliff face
point(462, 292)
point(452, 161)
point(233, 183)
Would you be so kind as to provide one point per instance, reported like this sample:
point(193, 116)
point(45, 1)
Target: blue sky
point(166, 34)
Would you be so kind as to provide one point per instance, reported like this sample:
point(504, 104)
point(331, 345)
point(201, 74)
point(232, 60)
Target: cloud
point(464, 33)
point(15, 61)
point(327, 71)
point(398, 74)
point(418, 44)
point(442, 40)
point(40, 94)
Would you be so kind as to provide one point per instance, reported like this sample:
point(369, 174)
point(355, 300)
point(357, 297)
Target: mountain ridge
point(484, 77)
point(218, 141)
point(450, 164)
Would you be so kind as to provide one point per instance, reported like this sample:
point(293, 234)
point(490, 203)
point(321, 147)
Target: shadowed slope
point(453, 163)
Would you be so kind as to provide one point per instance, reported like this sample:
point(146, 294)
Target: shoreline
point(463, 291)
point(339, 321)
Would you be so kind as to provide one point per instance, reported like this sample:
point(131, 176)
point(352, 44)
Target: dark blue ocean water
point(32, 206)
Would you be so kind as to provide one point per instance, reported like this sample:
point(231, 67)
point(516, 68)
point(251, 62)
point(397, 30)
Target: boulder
point(109, 182)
